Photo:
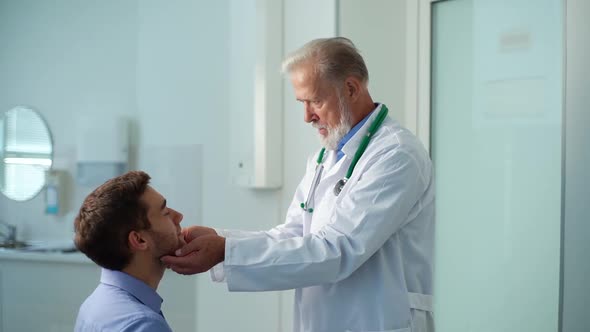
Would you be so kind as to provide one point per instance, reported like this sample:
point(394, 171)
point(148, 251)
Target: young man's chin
point(172, 250)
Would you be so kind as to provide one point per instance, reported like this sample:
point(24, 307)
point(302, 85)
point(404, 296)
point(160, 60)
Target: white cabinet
point(43, 292)
point(43, 296)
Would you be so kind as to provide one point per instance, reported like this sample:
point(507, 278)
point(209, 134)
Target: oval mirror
point(26, 153)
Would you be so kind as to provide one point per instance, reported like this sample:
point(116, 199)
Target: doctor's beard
point(330, 141)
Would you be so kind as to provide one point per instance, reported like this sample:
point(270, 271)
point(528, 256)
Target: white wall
point(64, 59)
point(378, 29)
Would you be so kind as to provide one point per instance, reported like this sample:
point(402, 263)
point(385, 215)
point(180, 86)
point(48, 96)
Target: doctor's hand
point(193, 232)
point(198, 255)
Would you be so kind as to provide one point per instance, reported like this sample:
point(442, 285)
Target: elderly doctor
point(357, 242)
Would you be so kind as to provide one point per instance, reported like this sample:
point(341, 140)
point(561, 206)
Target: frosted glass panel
point(496, 146)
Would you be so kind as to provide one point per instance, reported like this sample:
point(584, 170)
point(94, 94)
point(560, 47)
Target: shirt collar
point(144, 293)
point(351, 133)
point(352, 142)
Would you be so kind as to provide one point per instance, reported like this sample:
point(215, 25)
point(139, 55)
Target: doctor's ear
point(352, 88)
point(137, 241)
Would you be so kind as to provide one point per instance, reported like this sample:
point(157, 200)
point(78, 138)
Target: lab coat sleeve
point(376, 206)
point(292, 227)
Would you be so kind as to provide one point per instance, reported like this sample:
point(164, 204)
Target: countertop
point(57, 257)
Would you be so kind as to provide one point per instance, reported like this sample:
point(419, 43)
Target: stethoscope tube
point(359, 152)
point(314, 183)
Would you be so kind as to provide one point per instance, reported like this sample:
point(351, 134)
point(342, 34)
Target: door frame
point(418, 75)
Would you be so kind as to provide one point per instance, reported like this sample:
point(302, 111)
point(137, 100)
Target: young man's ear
point(137, 241)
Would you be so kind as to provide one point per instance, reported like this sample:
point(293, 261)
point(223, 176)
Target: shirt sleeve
point(374, 208)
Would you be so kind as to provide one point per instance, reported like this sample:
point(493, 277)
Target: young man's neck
point(146, 270)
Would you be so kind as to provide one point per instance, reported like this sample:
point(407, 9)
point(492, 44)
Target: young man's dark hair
point(107, 216)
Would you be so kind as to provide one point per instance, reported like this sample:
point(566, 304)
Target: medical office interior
point(191, 92)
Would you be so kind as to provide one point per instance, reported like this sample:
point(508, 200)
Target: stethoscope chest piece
point(338, 187)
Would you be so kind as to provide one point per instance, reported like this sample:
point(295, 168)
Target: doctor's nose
point(308, 113)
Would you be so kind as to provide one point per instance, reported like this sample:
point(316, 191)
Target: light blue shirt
point(121, 303)
point(347, 137)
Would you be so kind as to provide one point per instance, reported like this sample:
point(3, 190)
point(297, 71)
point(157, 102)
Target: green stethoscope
point(307, 206)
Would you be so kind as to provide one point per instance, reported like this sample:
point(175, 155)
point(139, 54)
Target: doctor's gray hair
point(334, 59)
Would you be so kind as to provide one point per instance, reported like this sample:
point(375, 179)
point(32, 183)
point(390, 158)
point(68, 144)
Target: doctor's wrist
point(221, 249)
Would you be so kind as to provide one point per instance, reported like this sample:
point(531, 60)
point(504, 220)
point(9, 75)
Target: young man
point(125, 227)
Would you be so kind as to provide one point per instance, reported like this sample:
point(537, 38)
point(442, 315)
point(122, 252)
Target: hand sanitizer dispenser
point(53, 187)
point(102, 149)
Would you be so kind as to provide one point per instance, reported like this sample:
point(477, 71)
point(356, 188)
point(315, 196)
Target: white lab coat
point(363, 260)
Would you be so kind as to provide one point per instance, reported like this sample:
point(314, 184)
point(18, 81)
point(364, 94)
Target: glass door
point(496, 144)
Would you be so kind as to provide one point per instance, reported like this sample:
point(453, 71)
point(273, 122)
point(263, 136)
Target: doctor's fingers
point(189, 264)
point(189, 247)
point(193, 232)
